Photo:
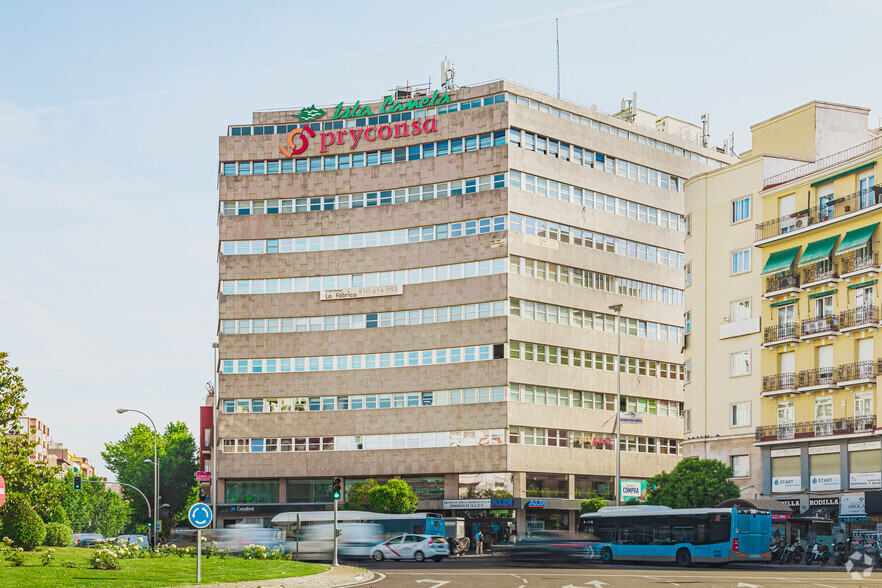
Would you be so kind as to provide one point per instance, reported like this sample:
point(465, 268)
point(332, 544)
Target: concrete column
point(451, 486)
point(573, 522)
point(521, 523)
point(283, 490)
point(766, 458)
point(571, 486)
point(519, 483)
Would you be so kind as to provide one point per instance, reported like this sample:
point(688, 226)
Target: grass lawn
point(152, 572)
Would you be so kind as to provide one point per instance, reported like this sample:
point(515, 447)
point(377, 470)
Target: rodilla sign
point(298, 140)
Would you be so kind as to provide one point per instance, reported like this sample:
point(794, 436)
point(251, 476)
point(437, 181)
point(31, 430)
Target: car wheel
point(437, 558)
point(419, 556)
point(684, 558)
point(606, 555)
point(378, 556)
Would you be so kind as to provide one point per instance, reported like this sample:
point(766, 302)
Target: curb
point(332, 578)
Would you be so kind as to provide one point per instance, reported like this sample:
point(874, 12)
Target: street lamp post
point(155, 468)
point(617, 308)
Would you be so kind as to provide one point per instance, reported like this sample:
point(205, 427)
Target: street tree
point(176, 451)
point(693, 483)
point(357, 495)
point(34, 480)
point(96, 508)
point(591, 505)
point(394, 497)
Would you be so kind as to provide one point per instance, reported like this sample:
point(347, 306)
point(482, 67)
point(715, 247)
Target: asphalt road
point(498, 572)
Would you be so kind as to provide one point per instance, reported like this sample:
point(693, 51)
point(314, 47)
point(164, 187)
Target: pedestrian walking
point(479, 543)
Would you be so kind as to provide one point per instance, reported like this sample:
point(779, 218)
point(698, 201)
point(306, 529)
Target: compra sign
point(298, 140)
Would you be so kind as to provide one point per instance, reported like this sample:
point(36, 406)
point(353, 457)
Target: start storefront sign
point(299, 140)
point(831, 482)
point(787, 484)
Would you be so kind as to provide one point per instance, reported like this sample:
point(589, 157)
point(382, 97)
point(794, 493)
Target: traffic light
point(337, 488)
point(78, 483)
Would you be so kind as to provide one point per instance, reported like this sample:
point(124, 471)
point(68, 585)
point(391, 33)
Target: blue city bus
point(663, 534)
point(421, 523)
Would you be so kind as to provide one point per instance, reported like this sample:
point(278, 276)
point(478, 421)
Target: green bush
point(58, 535)
point(22, 524)
point(59, 515)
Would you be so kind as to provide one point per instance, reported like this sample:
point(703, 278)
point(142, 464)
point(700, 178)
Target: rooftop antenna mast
point(557, 36)
point(705, 129)
point(447, 74)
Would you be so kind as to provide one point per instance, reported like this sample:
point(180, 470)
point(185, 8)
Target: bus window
point(661, 531)
point(683, 529)
point(719, 528)
point(605, 529)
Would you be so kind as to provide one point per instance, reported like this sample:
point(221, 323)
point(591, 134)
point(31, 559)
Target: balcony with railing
point(780, 333)
point(817, 377)
point(857, 261)
point(782, 281)
point(779, 383)
point(859, 370)
point(819, 214)
point(820, 325)
point(858, 317)
point(819, 272)
point(819, 428)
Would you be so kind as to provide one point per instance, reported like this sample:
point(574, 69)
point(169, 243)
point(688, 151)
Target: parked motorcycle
point(817, 553)
point(777, 549)
point(788, 553)
point(840, 556)
point(798, 552)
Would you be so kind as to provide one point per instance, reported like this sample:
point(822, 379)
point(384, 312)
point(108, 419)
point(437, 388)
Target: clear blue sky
point(110, 113)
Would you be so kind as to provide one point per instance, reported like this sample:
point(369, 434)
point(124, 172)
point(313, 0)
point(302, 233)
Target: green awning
point(861, 285)
point(780, 261)
point(856, 239)
point(843, 174)
point(820, 294)
point(818, 250)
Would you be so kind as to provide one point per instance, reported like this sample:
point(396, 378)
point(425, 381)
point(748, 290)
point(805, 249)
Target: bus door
point(631, 537)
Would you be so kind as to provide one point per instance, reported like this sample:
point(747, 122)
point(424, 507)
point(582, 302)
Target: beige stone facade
point(497, 425)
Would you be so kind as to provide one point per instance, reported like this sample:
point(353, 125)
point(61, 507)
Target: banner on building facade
point(831, 482)
point(787, 484)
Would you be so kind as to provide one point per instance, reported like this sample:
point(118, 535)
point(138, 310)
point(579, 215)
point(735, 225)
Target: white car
point(415, 547)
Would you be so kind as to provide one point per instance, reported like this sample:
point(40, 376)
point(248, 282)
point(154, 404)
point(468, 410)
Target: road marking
point(436, 584)
point(371, 581)
point(524, 580)
point(743, 585)
point(661, 580)
point(826, 585)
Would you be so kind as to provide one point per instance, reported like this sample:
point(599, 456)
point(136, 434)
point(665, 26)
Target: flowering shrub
point(47, 557)
point(105, 558)
point(255, 552)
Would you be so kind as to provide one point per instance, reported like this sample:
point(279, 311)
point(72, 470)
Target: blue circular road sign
point(200, 515)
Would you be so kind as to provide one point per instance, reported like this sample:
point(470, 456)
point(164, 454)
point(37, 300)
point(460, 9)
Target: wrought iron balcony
point(819, 214)
point(825, 376)
point(819, 428)
point(822, 324)
point(782, 281)
point(776, 382)
point(859, 261)
point(820, 271)
point(862, 315)
point(781, 332)
point(859, 370)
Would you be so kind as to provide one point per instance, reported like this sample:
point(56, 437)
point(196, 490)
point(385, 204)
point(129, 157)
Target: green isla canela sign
point(389, 106)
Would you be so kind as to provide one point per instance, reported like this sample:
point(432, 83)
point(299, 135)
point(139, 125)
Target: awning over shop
point(780, 261)
point(856, 239)
point(818, 250)
point(818, 514)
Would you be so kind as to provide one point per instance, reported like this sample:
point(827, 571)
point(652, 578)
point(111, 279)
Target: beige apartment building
point(726, 327)
point(419, 287)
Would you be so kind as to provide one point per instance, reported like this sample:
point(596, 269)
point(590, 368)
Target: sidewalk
point(333, 578)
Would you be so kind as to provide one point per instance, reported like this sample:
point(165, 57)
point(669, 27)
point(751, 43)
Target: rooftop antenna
point(629, 108)
point(557, 35)
point(447, 75)
point(705, 129)
point(732, 143)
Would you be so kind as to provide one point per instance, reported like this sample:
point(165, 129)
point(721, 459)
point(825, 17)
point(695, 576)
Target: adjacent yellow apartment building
point(819, 244)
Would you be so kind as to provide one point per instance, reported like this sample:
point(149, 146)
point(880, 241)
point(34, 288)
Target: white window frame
point(732, 463)
point(743, 254)
point(734, 207)
point(687, 420)
point(687, 319)
point(732, 413)
point(735, 304)
point(688, 273)
point(732, 362)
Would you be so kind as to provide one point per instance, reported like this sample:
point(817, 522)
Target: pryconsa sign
point(298, 140)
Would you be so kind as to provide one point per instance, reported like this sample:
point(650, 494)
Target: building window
point(741, 209)
point(688, 269)
point(687, 420)
point(739, 310)
point(688, 370)
point(739, 364)
point(741, 261)
point(739, 414)
point(688, 318)
point(741, 466)
point(688, 221)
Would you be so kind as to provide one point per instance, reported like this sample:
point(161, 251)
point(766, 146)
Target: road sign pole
point(334, 563)
point(198, 556)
